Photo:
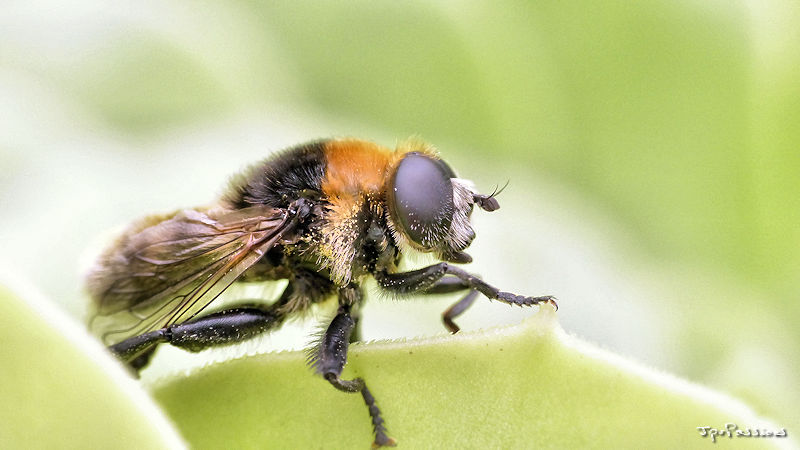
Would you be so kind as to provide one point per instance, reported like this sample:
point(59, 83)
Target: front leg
point(429, 279)
point(328, 360)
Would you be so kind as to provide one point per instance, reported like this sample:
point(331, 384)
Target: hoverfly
point(324, 216)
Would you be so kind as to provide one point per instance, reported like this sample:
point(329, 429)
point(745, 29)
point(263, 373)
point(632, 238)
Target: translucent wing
point(165, 270)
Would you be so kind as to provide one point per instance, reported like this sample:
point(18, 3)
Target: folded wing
point(165, 270)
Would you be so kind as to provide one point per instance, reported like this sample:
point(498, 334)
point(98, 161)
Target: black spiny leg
point(141, 361)
point(429, 279)
point(355, 335)
point(447, 285)
point(224, 327)
point(352, 295)
point(329, 359)
point(453, 284)
point(215, 329)
point(457, 309)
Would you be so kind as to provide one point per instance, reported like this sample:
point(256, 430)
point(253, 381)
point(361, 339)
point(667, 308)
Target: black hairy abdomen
point(281, 178)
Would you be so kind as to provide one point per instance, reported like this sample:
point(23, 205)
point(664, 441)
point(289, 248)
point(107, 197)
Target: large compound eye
point(421, 198)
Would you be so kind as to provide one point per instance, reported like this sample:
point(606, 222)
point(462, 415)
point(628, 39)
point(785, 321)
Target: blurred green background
point(652, 148)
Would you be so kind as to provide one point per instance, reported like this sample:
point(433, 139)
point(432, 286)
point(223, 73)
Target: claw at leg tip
point(386, 442)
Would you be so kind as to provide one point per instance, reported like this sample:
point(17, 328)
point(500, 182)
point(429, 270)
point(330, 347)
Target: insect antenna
point(497, 192)
point(489, 202)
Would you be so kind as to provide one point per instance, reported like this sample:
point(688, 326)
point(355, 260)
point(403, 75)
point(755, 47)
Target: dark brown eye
point(421, 198)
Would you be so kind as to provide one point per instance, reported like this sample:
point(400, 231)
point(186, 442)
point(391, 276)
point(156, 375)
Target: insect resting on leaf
point(324, 216)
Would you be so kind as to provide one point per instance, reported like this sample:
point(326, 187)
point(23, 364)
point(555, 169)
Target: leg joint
point(354, 385)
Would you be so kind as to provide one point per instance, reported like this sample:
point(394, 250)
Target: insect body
point(323, 215)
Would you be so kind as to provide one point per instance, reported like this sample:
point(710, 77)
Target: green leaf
point(529, 385)
point(59, 388)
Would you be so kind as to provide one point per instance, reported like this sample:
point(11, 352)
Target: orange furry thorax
point(354, 168)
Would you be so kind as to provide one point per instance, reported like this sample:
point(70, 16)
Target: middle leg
point(330, 355)
point(452, 284)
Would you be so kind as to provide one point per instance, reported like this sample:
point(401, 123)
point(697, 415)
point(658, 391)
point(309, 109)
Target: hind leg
point(228, 326)
point(224, 327)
